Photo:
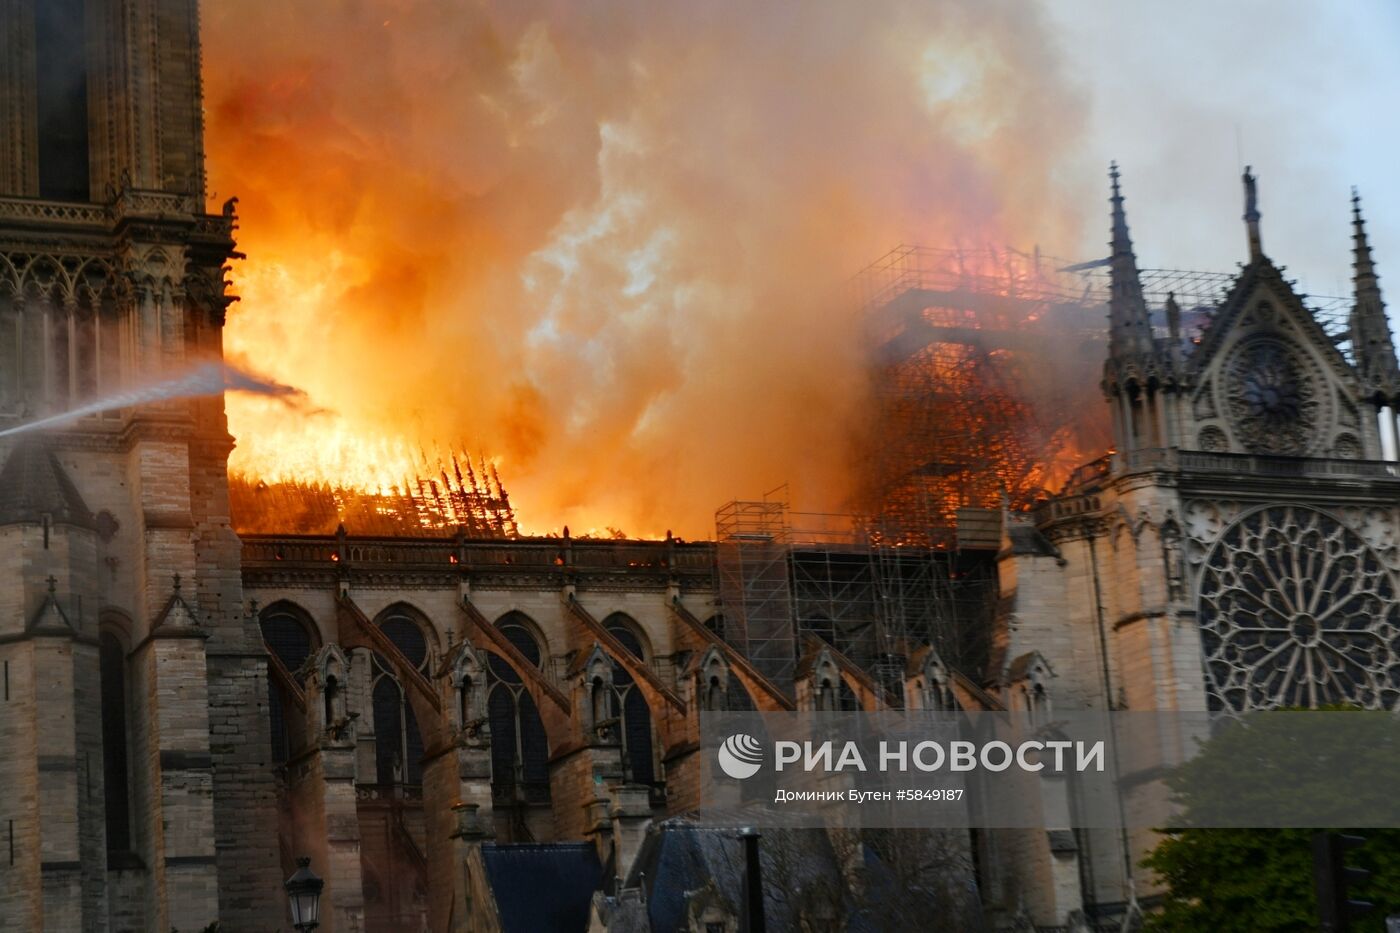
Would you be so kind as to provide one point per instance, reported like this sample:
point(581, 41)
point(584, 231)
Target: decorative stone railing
point(130, 203)
point(530, 555)
point(134, 201)
point(1068, 507)
point(29, 209)
point(1200, 461)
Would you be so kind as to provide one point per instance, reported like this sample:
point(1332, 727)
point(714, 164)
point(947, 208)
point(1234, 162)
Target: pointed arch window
point(638, 757)
point(939, 696)
point(287, 634)
point(398, 742)
point(737, 697)
point(330, 697)
point(721, 690)
point(519, 749)
point(61, 106)
point(834, 695)
point(116, 787)
point(1037, 703)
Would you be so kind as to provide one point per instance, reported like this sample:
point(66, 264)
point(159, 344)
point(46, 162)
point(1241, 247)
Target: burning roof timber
point(983, 387)
point(451, 496)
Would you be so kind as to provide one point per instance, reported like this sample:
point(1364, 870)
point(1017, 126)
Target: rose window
point(1272, 397)
point(1296, 611)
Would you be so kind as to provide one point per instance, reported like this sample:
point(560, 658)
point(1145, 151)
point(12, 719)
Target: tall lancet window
point(11, 376)
point(60, 59)
point(398, 751)
point(519, 749)
point(116, 787)
point(637, 756)
point(287, 634)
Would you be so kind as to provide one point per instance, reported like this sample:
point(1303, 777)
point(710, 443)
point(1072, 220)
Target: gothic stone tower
point(1238, 550)
point(133, 730)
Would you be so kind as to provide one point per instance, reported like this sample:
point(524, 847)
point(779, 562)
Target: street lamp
point(304, 893)
point(753, 881)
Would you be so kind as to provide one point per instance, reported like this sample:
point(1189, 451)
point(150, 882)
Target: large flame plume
point(605, 243)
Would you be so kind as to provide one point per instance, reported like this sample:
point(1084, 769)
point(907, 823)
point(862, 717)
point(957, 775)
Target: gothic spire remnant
point(1370, 331)
point(1130, 328)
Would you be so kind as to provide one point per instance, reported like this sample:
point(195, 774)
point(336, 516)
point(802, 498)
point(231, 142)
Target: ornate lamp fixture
point(304, 893)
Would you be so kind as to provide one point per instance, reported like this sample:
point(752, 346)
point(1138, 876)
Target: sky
point(1183, 94)
point(608, 246)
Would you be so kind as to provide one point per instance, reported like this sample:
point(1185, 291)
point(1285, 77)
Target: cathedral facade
point(503, 734)
point(132, 678)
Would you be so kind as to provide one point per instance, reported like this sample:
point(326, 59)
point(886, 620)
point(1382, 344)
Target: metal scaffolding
point(983, 374)
point(992, 273)
point(965, 409)
point(984, 381)
point(784, 576)
point(754, 586)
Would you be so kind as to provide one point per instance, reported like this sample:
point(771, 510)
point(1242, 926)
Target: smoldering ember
point(417, 418)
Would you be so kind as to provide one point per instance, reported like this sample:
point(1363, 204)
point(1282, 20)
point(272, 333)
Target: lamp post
point(304, 893)
point(753, 883)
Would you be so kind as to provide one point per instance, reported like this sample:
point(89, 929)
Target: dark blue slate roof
point(546, 887)
point(677, 857)
point(33, 485)
point(801, 875)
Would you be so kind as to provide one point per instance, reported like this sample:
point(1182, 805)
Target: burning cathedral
point(468, 729)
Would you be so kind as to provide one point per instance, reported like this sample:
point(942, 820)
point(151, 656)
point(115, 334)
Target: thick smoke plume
point(608, 243)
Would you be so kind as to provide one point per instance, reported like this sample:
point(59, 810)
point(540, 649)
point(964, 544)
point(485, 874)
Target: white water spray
point(208, 379)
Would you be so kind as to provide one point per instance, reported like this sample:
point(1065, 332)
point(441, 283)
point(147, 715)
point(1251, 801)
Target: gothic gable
point(1269, 380)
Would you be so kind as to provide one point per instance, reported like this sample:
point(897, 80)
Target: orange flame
point(983, 398)
point(604, 245)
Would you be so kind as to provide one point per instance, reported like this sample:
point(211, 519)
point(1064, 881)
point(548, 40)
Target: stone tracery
point(1272, 397)
point(1296, 609)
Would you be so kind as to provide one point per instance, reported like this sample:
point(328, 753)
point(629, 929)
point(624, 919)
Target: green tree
point(1247, 880)
point(1240, 879)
